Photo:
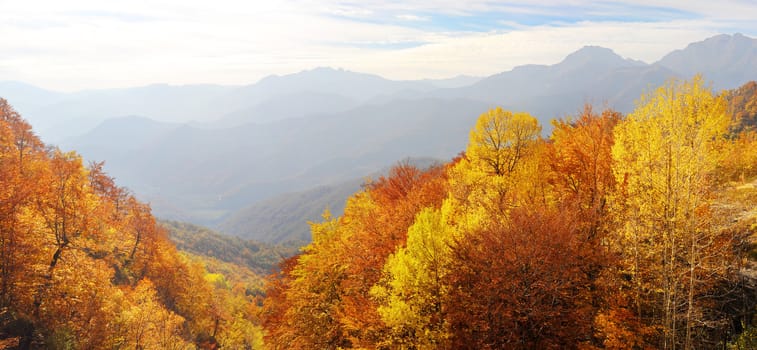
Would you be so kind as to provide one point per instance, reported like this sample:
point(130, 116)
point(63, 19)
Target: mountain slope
point(358, 86)
point(27, 97)
point(325, 126)
point(90, 269)
point(284, 218)
point(591, 74)
point(258, 257)
point(742, 102)
point(241, 165)
point(59, 116)
point(727, 60)
point(76, 113)
point(280, 107)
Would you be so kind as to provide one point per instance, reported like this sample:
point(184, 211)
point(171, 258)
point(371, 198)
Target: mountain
point(124, 133)
point(726, 60)
point(280, 107)
point(592, 74)
point(58, 116)
point(454, 82)
point(358, 86)
point(325, 89)
point(547, 91)
point(577, 72)
point(284, 218)
point(28, 97)
point(201, 241)
point(325, 126)
point(240, 165)
point(742, 103)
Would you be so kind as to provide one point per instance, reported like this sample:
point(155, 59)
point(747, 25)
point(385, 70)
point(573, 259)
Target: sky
point(92, 44)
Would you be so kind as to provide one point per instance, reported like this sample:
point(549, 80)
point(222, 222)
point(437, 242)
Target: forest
point(84, 265)
point(614, 232)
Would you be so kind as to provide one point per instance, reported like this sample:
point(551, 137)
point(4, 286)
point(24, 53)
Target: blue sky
point(84, 44)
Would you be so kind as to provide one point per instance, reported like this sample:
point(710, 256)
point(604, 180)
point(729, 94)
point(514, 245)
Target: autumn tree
point(326, 296)
point(20, 171)
point(315, 290)
point(580, 157)
point(412, 292)
point(146, 324)
point(519, 284)
point(610, 234)
point(279, 328)
point(742, 104)
point(501, 138)
point(500, 169)
point(378, 223)
point(581, 161)
point(665, 154)
point(83, 264)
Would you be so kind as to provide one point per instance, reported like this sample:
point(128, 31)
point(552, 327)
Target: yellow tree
point(500, 167)
point(412, 290)
point(500, 139)
point(665, 153)
point(378, 222)
point(146, 324)
point(22, 159)
point(315, 292)
point(64, 213)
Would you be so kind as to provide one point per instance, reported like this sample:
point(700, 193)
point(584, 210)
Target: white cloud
point(78, 44)
point(489, 53)
point(414, 18)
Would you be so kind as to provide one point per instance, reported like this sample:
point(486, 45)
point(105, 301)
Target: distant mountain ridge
point(591, 74)
point(199, 153)
point(58, 116)
point(728, 61)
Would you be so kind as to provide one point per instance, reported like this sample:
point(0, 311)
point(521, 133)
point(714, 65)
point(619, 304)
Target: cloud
point(80, 44)
point(489, 53)
point(414, 18)
point(118, 16)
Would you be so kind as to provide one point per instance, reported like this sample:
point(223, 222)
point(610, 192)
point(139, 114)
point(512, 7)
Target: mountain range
point(202, 153)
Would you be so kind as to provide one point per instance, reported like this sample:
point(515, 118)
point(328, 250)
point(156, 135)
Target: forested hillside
point(742, 103)
point(614, 232)
point(258, 257)
point(83, 264)
point(284, 219)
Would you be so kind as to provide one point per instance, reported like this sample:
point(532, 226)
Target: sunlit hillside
point(616, 232)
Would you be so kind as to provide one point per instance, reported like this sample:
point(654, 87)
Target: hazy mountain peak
point(595, 56)
point(322, 73)
point(728, 60)
point(724, 39)
point(717, 45)
point(327, 69)
point(593, 50)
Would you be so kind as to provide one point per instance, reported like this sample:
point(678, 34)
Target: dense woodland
point(617, 232)
point(614, 232)
point(83, 264)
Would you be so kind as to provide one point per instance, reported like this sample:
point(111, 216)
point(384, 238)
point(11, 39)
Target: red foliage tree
point(519, 285)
